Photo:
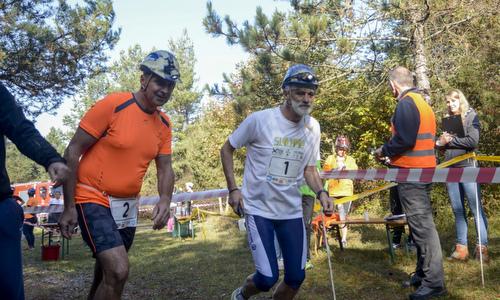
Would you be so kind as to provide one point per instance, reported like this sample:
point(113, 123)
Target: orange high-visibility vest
point(422, 154)
point(30, 203)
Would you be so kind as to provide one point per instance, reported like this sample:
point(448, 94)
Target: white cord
point(478, 228)
point(328, 253)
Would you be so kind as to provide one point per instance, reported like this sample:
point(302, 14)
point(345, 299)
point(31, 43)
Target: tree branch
point(381, 38)
point(449, 26)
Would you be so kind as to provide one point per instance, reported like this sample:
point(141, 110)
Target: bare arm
point(235, 197)
point(314, 182)
point(80, 143)
point(166, 179)
point(312, 178)
point(226, 154)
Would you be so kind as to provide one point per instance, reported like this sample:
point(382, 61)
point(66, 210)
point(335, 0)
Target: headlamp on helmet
point(301, 76)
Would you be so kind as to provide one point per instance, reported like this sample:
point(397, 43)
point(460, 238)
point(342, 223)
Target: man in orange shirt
point(108, 157)
point(30, 220)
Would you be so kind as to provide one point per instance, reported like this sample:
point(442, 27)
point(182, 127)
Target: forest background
point(51, 50)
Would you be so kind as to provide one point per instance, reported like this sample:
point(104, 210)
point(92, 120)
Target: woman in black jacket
point(455, 146)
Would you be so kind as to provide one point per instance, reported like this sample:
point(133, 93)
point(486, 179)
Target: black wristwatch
point(318, 194)
point(233, 189)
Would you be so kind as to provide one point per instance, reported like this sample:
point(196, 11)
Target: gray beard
point(299, 110)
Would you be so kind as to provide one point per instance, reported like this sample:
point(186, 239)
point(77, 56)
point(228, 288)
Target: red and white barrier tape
point(148, 200)
point(479, 175)
point(43, 209)
point(203, 195)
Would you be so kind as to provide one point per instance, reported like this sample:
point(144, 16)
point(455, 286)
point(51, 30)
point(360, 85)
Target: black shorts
point(99, 229)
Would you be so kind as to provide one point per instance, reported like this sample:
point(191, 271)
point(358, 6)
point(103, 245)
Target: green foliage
point(150, 182)
point(465, 56)
point(196, 155)
point(186, 98)
point(352, 47)
point(357, 109)
point(22, 169)
point(57, 139)
point(352, 98)
point(48, 48)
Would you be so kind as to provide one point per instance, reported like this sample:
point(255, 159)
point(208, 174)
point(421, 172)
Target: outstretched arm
point(28, 139)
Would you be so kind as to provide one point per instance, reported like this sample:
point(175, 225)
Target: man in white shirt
point(282, 149)
point(56, 200)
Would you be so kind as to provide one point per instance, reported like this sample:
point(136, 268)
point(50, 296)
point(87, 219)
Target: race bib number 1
point(285, 165)
point(124, 211)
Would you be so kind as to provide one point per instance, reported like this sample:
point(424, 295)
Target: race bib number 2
point(124, 211)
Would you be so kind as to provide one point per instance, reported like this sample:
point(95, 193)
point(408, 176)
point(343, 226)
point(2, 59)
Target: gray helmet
point(300, 75)
point(162, 63)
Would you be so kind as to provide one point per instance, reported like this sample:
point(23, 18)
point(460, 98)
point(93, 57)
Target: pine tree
point(185, 101)
point(48, 48)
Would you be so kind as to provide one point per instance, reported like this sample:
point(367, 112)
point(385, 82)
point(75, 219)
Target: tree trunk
point(421, 69)
point(186, 120)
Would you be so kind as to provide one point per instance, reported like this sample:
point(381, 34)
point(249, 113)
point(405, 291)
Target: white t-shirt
point(278, 150)
point(54, 201)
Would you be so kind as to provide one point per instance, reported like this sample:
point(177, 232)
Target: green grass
point(212, 266)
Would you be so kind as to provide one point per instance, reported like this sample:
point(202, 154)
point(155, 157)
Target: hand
point(58, 172)
point(378, 154)
point(236, 202)
point(161, 212)
point(327, 204)
point(68, 221)
point(445, 138)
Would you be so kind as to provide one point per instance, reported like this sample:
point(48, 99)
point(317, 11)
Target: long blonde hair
point(464, 104)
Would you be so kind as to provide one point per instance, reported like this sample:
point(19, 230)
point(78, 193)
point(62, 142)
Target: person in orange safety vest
point(412, 146)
